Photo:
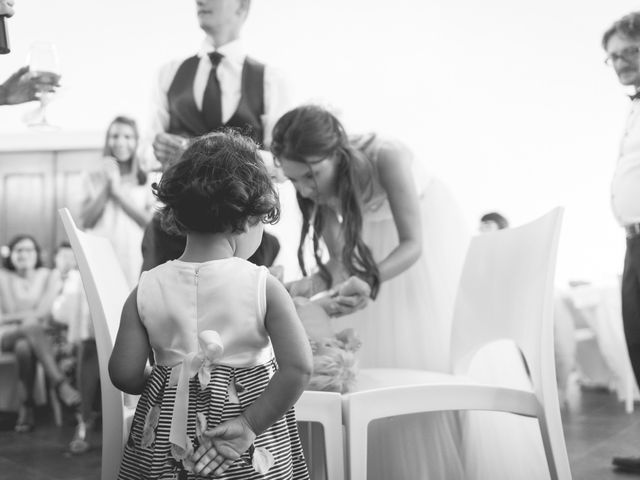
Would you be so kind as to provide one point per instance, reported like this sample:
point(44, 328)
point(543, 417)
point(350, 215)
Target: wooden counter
point(41, 172)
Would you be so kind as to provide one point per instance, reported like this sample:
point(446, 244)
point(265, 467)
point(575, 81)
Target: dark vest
point(185, 118)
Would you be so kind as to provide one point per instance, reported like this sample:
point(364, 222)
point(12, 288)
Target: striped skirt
point(147, 454)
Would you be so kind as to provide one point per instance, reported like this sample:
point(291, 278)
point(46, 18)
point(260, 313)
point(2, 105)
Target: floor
point(595, 424)
point(596, 429)
point(42, 454)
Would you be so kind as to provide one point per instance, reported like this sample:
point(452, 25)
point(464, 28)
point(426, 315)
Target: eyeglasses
point(628, 54)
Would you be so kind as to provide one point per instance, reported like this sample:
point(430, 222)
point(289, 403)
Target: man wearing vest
point(219, 87)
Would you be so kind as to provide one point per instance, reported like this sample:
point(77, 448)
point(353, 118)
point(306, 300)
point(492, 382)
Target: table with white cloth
point(590, 337)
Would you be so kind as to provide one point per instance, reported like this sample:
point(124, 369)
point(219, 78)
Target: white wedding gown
point(408, 326)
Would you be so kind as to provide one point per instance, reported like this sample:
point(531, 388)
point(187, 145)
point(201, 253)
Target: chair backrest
point(506, 292)
point(106, 289)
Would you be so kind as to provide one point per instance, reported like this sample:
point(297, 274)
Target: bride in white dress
point(358, 198)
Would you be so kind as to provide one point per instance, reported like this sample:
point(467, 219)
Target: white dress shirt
point(278, 95)
point(278, 99)
point(625, 185)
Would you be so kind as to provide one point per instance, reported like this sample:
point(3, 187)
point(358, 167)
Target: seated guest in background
point(220, 86)
point(70, 308)
point(118, 200)
point(27, 292)
point(358, 195)
point(492, 221)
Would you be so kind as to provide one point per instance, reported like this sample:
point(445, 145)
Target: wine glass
point(44, 70)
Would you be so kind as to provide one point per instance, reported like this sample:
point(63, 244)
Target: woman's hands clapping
point(110, 177)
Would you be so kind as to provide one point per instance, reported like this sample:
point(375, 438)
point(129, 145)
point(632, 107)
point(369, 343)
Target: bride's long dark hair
point(311, 131)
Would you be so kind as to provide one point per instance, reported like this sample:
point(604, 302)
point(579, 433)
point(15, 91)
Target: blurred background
point(508, 102)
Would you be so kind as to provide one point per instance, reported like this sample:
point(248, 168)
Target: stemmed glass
point(44, 68)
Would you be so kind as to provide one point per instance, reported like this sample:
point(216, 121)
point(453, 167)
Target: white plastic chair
point(106, 290)
point(506, 292)
point(325, 408)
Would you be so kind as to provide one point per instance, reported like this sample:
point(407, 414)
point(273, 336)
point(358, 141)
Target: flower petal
point(201, 424)
point(150, 424)
point(262, 460)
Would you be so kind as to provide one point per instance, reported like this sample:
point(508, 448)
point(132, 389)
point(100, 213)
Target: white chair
point(505, 292)
point(106, 290)
point(325, 408)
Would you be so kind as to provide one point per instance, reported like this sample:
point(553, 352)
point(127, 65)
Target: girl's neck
point(203, 247)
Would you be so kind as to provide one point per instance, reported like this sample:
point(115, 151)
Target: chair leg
point(629, 390)
point(356, 433)
point(56, 406)
point(334, 458)
point(555, 449)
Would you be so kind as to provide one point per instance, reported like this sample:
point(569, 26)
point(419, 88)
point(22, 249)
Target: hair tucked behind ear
point(312, 131)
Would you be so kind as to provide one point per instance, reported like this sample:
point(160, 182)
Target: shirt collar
point(233, 51)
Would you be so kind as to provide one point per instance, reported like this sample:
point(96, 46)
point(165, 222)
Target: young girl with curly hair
point(231, 354)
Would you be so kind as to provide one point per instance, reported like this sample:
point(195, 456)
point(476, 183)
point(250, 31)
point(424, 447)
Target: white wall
point(507, 101)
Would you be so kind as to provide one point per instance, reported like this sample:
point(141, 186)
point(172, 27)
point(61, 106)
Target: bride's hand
point(354, 286)
point(350, 296)
point(339, 305)
point(344, 301)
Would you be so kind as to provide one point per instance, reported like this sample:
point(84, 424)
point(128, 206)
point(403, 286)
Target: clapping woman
point(118, 200)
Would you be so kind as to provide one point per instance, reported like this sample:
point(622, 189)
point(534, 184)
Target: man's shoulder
point(174, 64)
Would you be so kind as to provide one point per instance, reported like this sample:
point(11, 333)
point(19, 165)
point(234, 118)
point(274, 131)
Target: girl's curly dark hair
point(219, 184)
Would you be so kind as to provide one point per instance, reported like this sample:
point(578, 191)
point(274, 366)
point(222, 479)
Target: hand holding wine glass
point(18, 88)
point(44, 73)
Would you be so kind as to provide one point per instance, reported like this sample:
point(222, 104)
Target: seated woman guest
point(70, 308)
point(358, 196)
point(27, 291)
point(118, 201)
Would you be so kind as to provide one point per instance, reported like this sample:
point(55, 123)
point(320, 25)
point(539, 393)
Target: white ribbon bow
point(200, 362)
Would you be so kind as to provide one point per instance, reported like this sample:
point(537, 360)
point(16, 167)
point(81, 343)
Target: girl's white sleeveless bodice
point(177, 300)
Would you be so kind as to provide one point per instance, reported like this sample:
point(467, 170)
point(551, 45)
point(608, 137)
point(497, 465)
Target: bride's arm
point(394, 169)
